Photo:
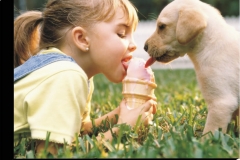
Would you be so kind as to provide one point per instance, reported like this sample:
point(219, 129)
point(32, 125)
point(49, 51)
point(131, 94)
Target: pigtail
point(26, 36)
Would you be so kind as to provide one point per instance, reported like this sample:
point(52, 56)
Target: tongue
point(150, 61)
point(125, 65)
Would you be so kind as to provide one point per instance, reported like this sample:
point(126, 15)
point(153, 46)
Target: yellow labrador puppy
point(197, 29)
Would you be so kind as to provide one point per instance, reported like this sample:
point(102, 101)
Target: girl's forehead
point(121, 18)
point(129, 15)
point(120, 14)
point(105, 10)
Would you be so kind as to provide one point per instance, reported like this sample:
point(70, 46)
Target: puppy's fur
point(197, 29)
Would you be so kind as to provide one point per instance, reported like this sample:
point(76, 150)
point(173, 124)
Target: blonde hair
point(61, 15)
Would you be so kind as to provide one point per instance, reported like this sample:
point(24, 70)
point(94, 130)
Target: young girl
point(53, 89)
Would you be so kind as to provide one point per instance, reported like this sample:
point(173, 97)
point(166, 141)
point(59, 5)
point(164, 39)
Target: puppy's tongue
point(150, 61)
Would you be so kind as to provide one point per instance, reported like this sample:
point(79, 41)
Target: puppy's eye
point(162, 26)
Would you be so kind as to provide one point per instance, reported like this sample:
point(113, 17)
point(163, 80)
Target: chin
point(115, 78)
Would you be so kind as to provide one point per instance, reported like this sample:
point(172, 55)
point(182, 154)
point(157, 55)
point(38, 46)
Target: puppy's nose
point(146, 47)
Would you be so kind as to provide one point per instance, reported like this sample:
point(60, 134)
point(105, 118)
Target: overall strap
point(38, 61)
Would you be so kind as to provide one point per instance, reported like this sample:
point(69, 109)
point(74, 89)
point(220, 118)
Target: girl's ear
point(80, 38)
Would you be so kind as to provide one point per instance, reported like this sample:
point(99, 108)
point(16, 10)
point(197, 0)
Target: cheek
point(108, 56)
point(110, 44)
point(117, 48)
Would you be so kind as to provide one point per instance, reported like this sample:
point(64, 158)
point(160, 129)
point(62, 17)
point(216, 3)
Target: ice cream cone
point(136, 91)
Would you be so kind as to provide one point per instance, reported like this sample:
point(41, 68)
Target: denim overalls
point(38, 61)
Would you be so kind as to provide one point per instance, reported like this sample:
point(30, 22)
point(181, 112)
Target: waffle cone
point(136, 92)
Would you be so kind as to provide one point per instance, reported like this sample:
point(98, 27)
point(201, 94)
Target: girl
point(77, 40)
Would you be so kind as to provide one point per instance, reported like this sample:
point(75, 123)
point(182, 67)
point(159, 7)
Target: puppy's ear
point(190, 23)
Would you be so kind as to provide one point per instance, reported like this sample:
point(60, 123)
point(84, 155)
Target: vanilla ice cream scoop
point(136, 69)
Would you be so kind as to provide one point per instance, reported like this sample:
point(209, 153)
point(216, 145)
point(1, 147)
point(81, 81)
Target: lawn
point(176, 128)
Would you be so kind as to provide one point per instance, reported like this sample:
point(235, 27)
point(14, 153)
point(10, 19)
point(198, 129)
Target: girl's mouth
point(125, 62)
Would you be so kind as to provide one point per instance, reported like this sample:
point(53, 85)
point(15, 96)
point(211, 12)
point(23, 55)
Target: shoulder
point(60, 72)
point(61, 67)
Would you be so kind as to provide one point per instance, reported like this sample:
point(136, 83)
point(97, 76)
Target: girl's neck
point(82, 59)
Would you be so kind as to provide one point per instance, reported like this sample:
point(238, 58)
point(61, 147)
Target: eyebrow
point(123, 24)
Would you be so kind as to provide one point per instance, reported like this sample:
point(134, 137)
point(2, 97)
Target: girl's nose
point(132, 46)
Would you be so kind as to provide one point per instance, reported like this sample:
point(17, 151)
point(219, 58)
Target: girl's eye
point(121, 35)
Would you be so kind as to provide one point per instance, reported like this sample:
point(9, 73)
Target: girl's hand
point(130, 116)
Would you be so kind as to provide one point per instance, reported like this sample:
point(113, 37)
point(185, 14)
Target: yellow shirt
point(55, 98)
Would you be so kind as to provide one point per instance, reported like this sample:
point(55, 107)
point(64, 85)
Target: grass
point(178, 125)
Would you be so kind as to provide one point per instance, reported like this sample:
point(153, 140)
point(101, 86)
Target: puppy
point(197, 29)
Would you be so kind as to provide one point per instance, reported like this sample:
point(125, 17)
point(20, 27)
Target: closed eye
point(121, 35)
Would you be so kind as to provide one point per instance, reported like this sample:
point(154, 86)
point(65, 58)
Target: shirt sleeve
point(57, 106)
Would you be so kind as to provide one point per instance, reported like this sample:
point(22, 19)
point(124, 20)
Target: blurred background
point(148, 11)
